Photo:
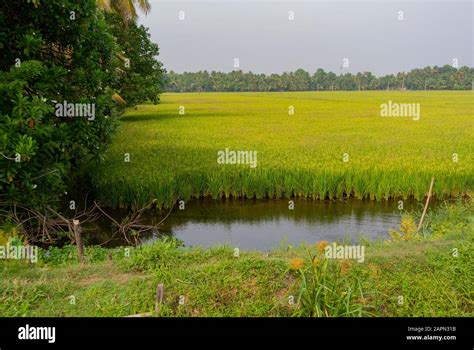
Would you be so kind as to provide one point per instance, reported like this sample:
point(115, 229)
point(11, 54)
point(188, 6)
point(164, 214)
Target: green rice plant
point(175, 156)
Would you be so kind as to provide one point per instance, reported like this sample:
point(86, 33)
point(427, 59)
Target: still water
point(263, 225)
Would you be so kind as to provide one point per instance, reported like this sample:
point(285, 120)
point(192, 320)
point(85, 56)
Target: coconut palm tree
point(127, 9)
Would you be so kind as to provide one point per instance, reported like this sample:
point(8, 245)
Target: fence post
point(76, 227)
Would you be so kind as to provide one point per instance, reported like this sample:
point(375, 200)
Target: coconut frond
point(126, 9)
point(104, 4)
point(117, 98)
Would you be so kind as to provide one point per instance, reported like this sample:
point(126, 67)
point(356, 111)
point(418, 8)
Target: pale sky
point(259, 33)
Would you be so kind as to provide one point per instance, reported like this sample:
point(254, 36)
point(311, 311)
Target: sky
point(380, 36)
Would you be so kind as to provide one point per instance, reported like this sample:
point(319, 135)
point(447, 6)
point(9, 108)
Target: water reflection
point(263, 225)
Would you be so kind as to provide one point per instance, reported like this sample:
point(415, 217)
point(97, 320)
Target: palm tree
point(127, 9)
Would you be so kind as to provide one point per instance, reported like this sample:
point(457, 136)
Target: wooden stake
point(159, 301)
point(426, 205)
point(159, 297)
point(76, 227)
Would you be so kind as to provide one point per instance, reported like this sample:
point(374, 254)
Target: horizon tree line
point(429, 78)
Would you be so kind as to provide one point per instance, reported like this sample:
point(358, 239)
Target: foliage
point(153, 256)
point(141, 75)
point(408, 230)
point(327, 291)
point(238, 286)
point(175, 156)
point(67, 255)
point(49, 56)
point(55, 52)
point(432, 280)
point(126, 9)
point(214, 283)
point(8, 232)
point(454, 216)
point(428, 78)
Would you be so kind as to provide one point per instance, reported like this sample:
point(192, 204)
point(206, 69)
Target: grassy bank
point(175, 156)
point(410, 275)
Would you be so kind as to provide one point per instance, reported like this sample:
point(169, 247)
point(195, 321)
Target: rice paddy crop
point(335, 144)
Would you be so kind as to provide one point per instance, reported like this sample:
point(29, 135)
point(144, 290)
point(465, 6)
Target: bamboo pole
point(426, 205)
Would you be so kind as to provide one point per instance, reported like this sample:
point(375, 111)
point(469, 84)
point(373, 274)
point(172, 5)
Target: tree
point(49, 58)
point(140, 73)
point(319, 80)
point(301, 80)
point(436, 78)
point(126, 9)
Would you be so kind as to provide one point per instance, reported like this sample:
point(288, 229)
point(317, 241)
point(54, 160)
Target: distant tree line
point(428, 78)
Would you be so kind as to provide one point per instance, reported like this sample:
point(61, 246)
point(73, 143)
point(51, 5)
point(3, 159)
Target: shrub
point(328, 289)
point(163, 252)
point(408, 230)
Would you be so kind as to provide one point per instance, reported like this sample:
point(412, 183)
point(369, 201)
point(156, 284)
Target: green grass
point(425, 272)
point(175, 156)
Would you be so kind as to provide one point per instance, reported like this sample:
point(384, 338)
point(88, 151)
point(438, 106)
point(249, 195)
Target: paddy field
point(318, 145)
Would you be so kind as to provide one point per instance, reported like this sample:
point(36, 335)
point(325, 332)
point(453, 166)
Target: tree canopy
point(64, 53)
point(429, 78)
